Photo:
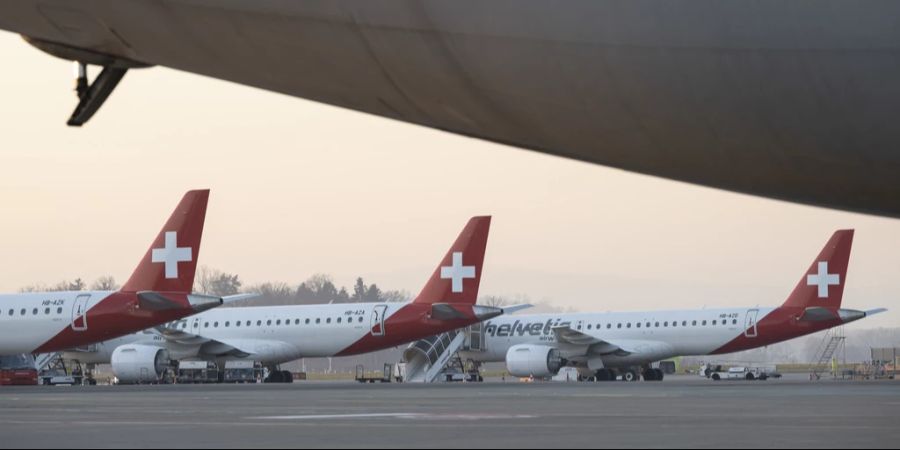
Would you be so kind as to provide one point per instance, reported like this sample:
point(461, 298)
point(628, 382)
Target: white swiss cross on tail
point(171, 255)
point(457, 272)
point(823, 279)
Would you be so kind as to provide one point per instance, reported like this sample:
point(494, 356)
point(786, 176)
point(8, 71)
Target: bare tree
point(69, 286)
point(396, 296)
point(495, 301)
point(215, 282)
point(106, 283)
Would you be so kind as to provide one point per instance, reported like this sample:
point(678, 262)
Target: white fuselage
point(27, 321)
point(660, 334)
point(270, 335)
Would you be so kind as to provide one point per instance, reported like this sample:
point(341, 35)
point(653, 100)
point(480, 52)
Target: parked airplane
point(605, 346)
point(794, 100)
point(158, 292)
point(274, 335)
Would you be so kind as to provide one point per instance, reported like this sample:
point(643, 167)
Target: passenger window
point(47, 311)
point(715, 322)
point(328, 320)
point(228, 324)
point(590, 327)
point(297, 322)
point(735, 322)
point(206, 325)
point(318, 321)
point(237, 324)
point(629, 325)
point(259, 323)
point(704, 323)
point(23, 312)
point(269, 322)
point(34, 311)
point(307, 321)
point(278, 322)
point(58, 311)
point(656, 325)
point(684, 323)
point(11, 313)
point(216, 325)
point(608, 326)
point(639, 325)
point(339, 320)
point(360, 319)
point(665, 324)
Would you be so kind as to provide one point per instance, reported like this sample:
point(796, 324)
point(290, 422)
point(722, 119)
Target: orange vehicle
point(18, 370)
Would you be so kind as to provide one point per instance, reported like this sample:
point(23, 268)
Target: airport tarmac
point(679, 412)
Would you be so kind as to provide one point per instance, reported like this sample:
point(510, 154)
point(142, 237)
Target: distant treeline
point(318, 289)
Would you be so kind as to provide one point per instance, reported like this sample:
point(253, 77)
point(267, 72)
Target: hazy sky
point(300, 188)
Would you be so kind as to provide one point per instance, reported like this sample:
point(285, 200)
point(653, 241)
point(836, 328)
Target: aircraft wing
point(597, 346)
point(177, 336)
point(208, 347)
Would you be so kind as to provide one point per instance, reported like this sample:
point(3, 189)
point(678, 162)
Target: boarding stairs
point(427, 358)
point(834, 340)
point(44, 360)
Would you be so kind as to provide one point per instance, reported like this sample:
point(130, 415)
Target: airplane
point(158, 292)
point(275, 335)
point(610, 346)
point(785, 99)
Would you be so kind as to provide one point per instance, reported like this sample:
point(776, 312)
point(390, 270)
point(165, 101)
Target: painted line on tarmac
point(416, 416)
point(338, 416)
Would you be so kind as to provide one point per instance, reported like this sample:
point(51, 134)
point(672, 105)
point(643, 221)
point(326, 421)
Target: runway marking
point(418, 416)
point(337, 416)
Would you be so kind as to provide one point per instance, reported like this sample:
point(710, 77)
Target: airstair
point(43, 361)
point(833, 341)
point(427, 358)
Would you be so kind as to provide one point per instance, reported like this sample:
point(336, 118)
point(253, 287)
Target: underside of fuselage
point(789, 99)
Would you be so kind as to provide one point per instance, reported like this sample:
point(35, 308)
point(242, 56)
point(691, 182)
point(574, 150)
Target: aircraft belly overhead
point(790, 99)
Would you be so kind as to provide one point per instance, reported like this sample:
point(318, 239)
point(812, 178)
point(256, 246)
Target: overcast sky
point(300, 188)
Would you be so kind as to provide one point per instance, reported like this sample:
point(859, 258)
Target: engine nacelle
point(538, 361)
point(134, 364)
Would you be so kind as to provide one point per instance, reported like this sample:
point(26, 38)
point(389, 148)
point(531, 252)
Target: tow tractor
point(717, 373)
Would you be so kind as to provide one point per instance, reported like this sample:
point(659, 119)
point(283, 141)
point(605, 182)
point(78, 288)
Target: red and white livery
point(274, 335)
point(158, 292)
point(606, 346)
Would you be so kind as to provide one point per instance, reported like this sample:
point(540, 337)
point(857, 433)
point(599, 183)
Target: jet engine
point(136, 364)
point(533, 360)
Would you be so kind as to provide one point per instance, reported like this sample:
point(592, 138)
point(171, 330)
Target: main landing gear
point(628, 375)
point(654, 375)
point(279, 376)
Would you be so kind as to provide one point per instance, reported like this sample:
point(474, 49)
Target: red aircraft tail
point(823, 284)
point(458, 276)
point(171, 261)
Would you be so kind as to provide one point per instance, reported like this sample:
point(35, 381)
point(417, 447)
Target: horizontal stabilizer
point(516, 308)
